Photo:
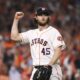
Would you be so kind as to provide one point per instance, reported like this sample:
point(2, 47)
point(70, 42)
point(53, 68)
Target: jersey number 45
point(46, 51)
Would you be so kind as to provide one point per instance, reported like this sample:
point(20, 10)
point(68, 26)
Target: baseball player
point(46, 44)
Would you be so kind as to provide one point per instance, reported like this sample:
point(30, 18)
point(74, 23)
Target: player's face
point(42, 19)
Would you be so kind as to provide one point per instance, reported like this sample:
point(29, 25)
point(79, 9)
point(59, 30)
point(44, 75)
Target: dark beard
point(43, 24)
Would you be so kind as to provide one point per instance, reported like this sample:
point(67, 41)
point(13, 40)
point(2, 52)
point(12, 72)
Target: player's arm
point(56, 56)
point(58, 46)
point(15, 35)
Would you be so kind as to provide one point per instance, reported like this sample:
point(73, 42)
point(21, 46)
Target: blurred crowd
point(15, 58)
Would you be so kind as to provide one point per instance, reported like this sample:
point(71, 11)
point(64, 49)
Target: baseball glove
point(42, 73)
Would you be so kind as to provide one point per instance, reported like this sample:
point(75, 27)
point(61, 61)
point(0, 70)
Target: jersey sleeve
point(25, 36)
point(58, 41)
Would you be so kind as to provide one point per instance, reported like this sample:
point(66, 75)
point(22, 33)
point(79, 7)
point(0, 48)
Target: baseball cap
point(43, 10)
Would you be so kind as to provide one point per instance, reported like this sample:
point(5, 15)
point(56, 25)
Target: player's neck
point(41, 28)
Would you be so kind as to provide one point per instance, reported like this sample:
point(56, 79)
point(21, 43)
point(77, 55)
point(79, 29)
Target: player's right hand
point(19, 15)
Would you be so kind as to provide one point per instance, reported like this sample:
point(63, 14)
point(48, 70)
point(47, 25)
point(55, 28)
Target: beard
point(43, 24)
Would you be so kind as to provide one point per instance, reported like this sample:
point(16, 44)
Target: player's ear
point(35, 20)
point(35, 17)
point(50, 17)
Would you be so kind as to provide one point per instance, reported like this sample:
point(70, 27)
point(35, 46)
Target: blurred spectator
point(3, 71)
point(14, 72)
point(8, 58)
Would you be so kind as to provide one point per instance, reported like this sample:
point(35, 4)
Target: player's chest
point(38, 38)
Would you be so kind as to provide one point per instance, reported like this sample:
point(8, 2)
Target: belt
point(38, 66)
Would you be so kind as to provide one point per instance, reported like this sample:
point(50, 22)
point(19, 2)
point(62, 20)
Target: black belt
point(38, 66)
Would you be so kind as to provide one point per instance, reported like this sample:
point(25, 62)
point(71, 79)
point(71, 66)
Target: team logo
point(59, 38)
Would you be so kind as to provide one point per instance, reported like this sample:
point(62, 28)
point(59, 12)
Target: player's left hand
point(18, 15)
point(43, 73)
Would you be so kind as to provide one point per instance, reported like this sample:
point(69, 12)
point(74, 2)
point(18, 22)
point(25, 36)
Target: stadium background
point(66, 18)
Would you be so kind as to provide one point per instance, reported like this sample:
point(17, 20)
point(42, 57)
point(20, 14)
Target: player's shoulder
point(54, 29)
point(31, 30)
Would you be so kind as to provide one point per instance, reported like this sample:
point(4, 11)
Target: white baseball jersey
point(42, 44)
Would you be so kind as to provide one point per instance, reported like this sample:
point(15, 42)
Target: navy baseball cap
point(43, 11)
